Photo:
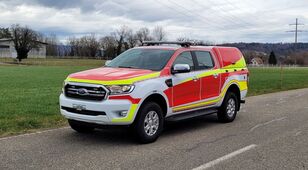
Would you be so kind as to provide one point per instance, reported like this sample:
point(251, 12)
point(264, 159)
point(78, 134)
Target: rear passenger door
point(186, 87)
point(210, 84)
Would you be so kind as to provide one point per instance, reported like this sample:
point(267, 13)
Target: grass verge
point(29, 97)
point(269, 80)
point(29, 94)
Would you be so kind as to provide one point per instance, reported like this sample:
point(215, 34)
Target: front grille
point(85, 91)
point(83, 112)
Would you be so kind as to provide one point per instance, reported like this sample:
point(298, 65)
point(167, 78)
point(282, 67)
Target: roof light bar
point(153, 43)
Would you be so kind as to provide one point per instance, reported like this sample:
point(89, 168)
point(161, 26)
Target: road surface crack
point(197, 145)
point(266, 123)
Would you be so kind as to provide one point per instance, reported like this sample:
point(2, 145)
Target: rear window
point(149, 59)
point(205, 60)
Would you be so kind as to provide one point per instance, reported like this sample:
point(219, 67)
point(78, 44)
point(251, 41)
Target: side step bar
point(192, 114)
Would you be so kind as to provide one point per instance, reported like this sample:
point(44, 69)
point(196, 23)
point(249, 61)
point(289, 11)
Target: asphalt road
point(270, 132)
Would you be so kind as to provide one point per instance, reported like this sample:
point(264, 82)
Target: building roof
point(11, 39)
point(258, 60)
point(5, 39)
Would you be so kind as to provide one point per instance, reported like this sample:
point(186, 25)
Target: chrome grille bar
point(85, 91)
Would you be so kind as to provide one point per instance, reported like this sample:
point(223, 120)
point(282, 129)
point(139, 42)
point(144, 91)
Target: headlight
point(63, 86)
point(120, 89)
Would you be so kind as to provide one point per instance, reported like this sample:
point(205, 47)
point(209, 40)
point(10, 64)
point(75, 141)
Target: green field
point(268, 80)
point(29, 93)
point(29, 97)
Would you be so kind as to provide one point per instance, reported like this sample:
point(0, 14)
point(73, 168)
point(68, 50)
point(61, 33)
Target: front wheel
point(228, 110)
point(149, 122)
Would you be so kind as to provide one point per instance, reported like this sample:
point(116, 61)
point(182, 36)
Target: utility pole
point(296, 31)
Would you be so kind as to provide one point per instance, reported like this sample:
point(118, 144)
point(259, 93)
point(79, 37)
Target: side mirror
point(107, 62)
point(180, 68)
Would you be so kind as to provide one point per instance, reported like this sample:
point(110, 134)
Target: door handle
point(215, 75)
point(195, 78)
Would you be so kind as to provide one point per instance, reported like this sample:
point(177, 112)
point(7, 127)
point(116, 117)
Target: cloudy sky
point(209, 20)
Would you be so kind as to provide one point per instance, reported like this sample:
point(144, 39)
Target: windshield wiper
point(134, 67)
point(127, 67)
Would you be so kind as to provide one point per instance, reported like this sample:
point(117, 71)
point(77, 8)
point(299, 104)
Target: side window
point(185, 58)
point(205, 60)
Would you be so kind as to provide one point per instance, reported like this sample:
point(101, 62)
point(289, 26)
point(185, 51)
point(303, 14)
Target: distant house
point(7, 49)
point(256, 61)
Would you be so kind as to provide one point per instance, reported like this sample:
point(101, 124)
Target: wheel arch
point(157, 98)
point(234, 88)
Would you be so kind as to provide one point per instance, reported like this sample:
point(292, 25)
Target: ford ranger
point(145, 86)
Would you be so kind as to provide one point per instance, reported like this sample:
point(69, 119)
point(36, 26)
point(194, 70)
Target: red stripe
point(168, 93)
point(126, 97)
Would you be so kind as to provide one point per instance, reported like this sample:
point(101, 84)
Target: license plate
point(79, 107)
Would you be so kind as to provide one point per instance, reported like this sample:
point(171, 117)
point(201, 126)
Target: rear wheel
point(149, 123)
point(80, 127)
point(228, 110)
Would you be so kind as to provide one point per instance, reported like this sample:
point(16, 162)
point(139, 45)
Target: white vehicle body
point(199, 88)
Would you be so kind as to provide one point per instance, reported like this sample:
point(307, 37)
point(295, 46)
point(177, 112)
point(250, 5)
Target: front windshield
point(149, 59)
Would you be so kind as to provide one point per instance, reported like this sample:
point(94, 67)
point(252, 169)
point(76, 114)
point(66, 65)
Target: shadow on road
point(125, 137)
point(179, 127)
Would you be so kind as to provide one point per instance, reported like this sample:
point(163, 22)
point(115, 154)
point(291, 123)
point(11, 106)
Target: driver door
point(186, 87)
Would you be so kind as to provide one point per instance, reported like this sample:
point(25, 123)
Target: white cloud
point(210, 20)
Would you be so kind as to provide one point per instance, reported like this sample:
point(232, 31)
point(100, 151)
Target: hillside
point(282, 49)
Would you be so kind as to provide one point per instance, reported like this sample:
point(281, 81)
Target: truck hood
point(108, 75)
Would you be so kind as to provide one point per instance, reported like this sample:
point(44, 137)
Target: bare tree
point(86, 46)
point(131, 39)
point(120, 36)
point(52, 45)
point(109, 45)
point(24, 39)
point(300, 57)
point(74, 46)
point(89, 45)
point(5, 33)
point(158, 33)
point(182, 39)
point(143, 34)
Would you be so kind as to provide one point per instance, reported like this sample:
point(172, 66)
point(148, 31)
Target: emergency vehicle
point(145, 86)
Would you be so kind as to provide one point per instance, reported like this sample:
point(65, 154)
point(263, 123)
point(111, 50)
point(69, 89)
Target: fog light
point(123, 113)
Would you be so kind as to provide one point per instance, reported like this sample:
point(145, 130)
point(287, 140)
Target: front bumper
point(112, 108)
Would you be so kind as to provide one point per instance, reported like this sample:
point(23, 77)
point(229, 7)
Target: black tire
point(222, 114)
point(80, 126)
point(139, 124)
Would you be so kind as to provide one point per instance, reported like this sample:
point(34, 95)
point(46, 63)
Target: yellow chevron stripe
point(239, 64)
point(129, 117)
point(116, 82)
point(241, 84)
point(204, 74)
point(211, 72)
point(196, 105)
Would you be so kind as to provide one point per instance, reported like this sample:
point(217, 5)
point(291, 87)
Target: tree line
point(89, 46)
point(117, 42)
point(123, 38)
point(109, 46)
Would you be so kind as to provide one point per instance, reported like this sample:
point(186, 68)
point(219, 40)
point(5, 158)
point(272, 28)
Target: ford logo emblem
point(82, 91)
